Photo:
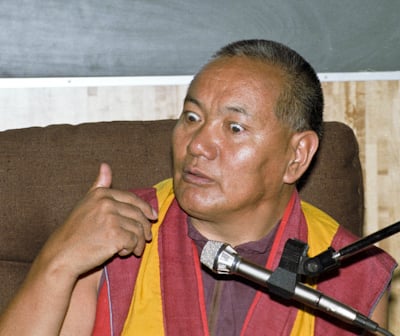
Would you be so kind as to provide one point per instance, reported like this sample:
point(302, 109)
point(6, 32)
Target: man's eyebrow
point(190, 99)
point(238, 109)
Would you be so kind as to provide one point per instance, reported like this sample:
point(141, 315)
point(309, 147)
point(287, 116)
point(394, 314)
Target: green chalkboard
point(175, 37)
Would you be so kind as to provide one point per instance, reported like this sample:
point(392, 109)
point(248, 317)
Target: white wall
point(26, 102)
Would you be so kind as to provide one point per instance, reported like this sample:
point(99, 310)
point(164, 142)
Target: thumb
point(104, 179)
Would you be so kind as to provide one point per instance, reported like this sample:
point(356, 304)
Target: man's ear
point(303, 147)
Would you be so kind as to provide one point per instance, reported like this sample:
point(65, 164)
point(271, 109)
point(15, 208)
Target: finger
point(104, 178)
point(131, 238)
point(137, 248)
point(135, 201)
point(136, 221)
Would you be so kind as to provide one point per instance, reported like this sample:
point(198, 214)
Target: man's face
point(230, 152)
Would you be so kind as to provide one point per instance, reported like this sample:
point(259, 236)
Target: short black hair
point(300, 104)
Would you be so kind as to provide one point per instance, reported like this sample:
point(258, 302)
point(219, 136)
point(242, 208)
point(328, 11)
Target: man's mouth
point(196, 176)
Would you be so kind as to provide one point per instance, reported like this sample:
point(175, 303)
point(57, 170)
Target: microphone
point(221, 258)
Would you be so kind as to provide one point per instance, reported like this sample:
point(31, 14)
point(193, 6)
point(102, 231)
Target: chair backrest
point(45, 171)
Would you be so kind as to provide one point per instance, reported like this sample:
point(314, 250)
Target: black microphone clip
point(284, 279)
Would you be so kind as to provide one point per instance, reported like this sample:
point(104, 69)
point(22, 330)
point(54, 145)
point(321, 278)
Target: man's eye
point(236, 128)
point(192, 117)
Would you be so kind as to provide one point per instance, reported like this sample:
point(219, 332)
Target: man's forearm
point(40, 306)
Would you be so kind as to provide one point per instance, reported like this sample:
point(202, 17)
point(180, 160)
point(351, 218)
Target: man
point(249, 129)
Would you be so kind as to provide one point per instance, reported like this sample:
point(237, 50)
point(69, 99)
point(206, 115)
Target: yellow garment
point(321, 230)
point(145, 315)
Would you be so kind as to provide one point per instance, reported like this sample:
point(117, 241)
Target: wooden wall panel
point(371, 108)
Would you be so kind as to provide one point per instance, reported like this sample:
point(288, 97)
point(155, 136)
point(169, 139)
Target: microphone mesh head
point(210, 253)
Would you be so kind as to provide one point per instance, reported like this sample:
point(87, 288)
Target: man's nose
point(204, 142)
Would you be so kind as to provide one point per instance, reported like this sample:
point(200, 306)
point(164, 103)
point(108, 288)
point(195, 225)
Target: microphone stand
point(330, 259)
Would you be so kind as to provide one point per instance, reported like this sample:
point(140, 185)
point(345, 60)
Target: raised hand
point(106, 222)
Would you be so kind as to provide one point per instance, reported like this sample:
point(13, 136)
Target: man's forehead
point(237, 76)
point(229, 70)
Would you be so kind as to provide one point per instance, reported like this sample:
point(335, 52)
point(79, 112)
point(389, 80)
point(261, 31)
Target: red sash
point(181, 285)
